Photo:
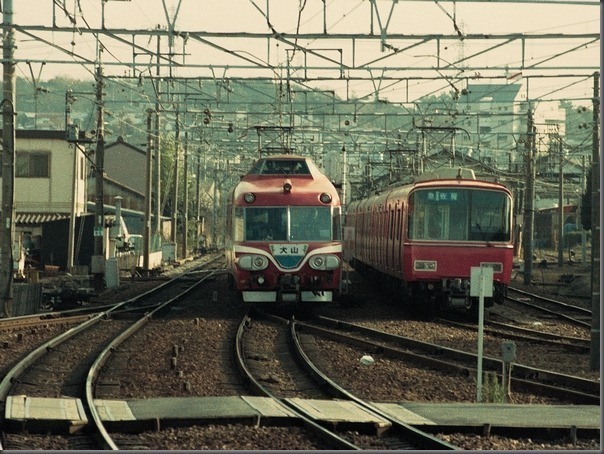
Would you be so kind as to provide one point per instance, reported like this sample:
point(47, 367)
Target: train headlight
point(249, 197)
point(252, 262)
point(324, 262)
point(259, 262)
point(325, 197)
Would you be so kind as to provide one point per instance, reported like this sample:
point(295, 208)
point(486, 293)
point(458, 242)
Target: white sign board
point(481, 277)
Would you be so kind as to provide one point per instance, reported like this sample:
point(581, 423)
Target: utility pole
point(529, 200)
point(175, 183)
point(157, 180)
point(344, 178)
point(561, 205)
point(7, 218)
point(594, 356)
point(148, 183)
point(198, 230)
point(98, 263)
point(185, 203)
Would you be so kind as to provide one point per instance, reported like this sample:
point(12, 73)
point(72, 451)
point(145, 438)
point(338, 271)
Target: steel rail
point(526, 334)
point(583, 390)
point(103, 357)
point(555, 313)
point(562, 304)
point(34, 355)
point(420, 439)
point(248, 376)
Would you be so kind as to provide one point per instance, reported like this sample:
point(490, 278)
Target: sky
point(286, 16)
point(231, 15)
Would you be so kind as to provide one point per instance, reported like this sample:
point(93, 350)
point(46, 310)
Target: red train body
point(425, 237)
point(283, 233)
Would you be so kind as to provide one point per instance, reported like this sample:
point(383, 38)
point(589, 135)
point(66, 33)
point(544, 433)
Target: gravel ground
point(409, 383)
point(201, 341)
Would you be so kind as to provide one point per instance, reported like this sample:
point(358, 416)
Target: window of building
point(32, 165)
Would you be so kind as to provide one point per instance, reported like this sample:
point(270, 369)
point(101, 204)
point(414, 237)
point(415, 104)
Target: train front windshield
point(294, 223)
point(460, 215)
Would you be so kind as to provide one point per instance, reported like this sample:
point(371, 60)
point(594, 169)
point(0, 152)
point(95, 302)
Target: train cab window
point(292, 223)
point(265, 224)
point(459, 215)
point(310, 224)
point(490, 216)
point(280, 167)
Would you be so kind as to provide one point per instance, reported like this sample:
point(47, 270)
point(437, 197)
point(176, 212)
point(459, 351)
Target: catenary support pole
point(7, 218)
point(529, 200)
point(594, 361)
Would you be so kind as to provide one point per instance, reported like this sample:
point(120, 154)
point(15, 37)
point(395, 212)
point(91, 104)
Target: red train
point(423, 238)
point(283, 241)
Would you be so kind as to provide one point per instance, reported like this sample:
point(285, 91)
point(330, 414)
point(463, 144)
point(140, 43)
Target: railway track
point(510, 331)
point(576, 315)
point(67, 365)
point(396, 436)
point(211, 357)
point(568, 388)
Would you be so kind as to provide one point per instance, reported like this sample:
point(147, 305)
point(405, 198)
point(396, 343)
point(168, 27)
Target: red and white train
point(283, 240)
point(423, 238)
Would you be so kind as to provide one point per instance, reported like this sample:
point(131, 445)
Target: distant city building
point(491, 118)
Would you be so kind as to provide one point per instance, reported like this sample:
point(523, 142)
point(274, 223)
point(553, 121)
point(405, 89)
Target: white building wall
point(52, 194)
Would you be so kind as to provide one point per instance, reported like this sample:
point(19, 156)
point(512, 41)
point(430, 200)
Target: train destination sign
point(442, 196)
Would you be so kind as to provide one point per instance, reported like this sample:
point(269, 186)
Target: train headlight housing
point(249, 197)
point(325, 197)
point(252, 262)
point(324, 262)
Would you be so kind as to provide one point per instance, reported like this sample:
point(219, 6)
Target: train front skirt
point(273, 297)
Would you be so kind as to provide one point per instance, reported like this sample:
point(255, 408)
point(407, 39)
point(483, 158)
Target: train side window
point(399, 223)
point(337, 226)
point(238, 230)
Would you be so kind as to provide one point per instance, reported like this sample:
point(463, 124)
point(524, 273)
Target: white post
point(481, 285)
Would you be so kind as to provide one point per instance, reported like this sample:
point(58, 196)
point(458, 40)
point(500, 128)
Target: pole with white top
point(481, 285)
